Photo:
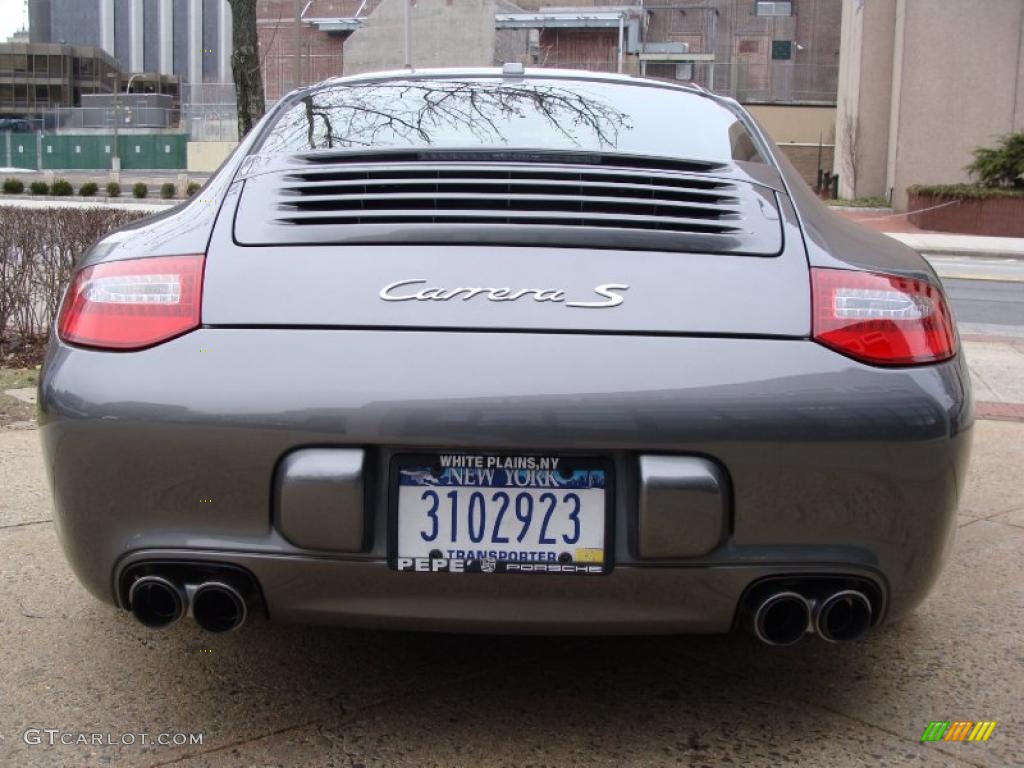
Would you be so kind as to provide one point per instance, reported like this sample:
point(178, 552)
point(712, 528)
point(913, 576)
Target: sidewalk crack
point(27, 523)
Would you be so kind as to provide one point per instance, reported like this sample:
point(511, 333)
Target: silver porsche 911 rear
point(494, 351)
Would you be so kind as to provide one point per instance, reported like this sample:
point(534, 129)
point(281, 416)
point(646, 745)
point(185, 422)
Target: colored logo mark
point(958, 730)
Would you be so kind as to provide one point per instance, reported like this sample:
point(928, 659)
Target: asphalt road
point(990, 302)
point(273, 694)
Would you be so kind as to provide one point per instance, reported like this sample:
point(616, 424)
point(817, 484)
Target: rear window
point(532, 114)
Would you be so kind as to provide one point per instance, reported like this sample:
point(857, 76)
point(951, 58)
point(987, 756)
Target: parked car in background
point(15, 125)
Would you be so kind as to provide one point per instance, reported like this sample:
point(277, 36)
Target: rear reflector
point(134, 303)
point(881, 319)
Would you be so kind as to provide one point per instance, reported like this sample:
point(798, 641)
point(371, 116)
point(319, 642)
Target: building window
point(782, 50)
point(773, 7)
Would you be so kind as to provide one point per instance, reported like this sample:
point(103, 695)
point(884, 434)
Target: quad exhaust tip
point(156, 602)
point(843, 617)
point(782, 618)
point(218, 607)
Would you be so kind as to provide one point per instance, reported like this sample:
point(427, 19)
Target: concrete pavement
point(997, 376)
point(944, 244)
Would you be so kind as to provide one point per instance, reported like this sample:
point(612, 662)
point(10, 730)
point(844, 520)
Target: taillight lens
point(881, 319)
point(134, 303)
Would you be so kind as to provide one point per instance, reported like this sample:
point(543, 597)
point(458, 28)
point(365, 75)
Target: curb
point(999, 411)
point(961, 253)
point(962, 246)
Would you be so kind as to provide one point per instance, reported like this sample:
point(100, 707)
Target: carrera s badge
point(408, 290)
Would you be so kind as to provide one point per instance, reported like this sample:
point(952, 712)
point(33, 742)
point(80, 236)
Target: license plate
point(463, 513)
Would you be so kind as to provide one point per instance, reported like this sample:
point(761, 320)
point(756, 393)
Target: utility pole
point(297, 30)
point(115, 158)
point(622, 24)
point(408, 34)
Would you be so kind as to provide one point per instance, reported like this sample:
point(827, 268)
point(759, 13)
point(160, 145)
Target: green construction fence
point(138, 152)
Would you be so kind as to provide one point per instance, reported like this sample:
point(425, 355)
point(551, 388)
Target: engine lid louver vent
point(398, 200)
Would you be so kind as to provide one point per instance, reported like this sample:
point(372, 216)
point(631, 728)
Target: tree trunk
point(245, 65)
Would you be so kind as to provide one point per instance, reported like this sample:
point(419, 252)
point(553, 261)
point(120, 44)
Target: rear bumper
point(834, 467)
point(630, 600)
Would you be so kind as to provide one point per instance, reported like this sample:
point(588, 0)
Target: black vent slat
point(512, 172)
point(511, 202)
point(468, 215)
point(504, 156)
point(484, 186)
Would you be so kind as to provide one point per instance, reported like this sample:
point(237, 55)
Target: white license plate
point(504, 514)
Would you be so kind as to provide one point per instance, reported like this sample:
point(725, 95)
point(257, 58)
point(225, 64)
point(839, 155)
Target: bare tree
point(245, 65)
point(849, 130)
point(415, 114)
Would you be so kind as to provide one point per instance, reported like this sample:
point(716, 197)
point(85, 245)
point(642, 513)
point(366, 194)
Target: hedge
point(963, 191)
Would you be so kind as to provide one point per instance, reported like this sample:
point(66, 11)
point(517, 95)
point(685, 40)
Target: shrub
point(37, 255)
point(88, 189)
point(1002, 165)
point(113, 189)
point(13, 186)
point(193, 187)
point(167, 190)
point(139, 189)
point(62, 187)
point(39, 188)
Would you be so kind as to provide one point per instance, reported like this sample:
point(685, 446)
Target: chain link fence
point(207, 111)
point(746, 81)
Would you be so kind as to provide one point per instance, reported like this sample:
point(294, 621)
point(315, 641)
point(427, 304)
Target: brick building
point(770, 51)
point(323, 28)
point(755, 50)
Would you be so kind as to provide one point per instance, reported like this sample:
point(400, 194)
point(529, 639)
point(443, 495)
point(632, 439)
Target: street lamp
point(115, 159)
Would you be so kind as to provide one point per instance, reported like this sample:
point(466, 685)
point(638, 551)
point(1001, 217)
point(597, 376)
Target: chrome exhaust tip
point(218, 607)
point(843, 617)
point(156, 602)
point(782, 618)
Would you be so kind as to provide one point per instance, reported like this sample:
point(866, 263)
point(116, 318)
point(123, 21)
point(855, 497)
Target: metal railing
point(755, 80)
point(210, 122)
point(72, 118)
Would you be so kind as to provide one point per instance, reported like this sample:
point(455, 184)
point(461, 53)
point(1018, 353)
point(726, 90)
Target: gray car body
point(833, 467)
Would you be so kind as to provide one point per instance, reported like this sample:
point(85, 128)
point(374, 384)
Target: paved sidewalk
point(929, 243)
point(944, 244)
point(149, 205)
point(997, 375)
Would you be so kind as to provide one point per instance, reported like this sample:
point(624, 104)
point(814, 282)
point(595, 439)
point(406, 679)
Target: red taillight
point(881, 319)
point(134, 303)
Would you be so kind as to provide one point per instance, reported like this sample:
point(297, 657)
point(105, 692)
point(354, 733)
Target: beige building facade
point(921, 85)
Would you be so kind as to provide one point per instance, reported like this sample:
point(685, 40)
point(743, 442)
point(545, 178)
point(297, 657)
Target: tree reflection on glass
point(448, 113)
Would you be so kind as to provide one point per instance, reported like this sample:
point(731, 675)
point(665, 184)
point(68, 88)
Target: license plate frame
point(569, 461)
